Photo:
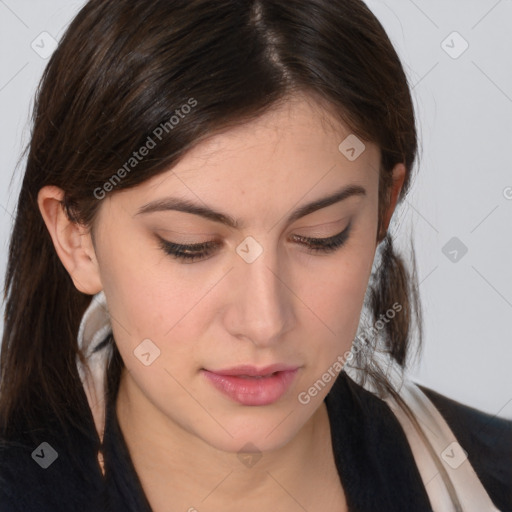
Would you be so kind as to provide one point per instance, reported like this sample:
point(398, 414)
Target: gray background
point(463, 189)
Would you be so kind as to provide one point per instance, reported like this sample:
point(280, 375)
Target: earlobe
point(72, 241)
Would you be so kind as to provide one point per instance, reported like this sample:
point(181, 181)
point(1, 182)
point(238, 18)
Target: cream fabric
point(470, 492)
point(94, 328)
point(438, 444)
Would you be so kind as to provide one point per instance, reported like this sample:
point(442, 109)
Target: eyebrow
point(184, 205)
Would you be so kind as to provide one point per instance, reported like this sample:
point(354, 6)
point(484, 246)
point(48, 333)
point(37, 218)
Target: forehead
point(293, 152)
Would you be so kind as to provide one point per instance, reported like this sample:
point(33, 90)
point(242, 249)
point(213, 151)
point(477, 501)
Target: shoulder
point(43, 471)
point(487, 439)
point(8, 461)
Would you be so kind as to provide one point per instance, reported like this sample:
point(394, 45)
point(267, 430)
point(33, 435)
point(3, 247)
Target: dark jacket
point(372, 455)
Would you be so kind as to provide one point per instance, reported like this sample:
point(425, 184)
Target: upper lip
point(252, 371)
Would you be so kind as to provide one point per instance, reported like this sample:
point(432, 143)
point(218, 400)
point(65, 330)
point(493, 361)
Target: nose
point(261, 308)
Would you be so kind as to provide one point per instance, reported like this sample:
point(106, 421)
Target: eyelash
point(193, 252)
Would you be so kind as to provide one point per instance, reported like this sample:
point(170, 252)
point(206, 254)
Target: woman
point(203, 219)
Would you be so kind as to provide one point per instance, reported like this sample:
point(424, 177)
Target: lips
point(252, 371)
point(249, 385)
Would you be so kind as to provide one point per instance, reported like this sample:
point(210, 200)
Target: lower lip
point(253, 391)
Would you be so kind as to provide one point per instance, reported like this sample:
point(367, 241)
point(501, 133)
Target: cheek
point(338, 305)
point(145, 295)
point(336, 290)
point(149, 298)
point(336, 298)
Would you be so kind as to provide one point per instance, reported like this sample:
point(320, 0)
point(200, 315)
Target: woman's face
point(259, 296)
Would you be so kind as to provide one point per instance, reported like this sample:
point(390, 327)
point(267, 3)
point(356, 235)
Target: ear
point(72, 241)
point(398, 177)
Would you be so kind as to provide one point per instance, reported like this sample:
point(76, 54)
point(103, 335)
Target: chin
point(252, 441)
point(258, 432)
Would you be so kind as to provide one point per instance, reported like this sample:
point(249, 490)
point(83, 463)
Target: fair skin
point(289, 305)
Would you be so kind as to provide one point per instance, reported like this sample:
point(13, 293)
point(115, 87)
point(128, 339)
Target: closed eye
point(189, 253)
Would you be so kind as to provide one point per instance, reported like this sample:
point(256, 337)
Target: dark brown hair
point(122, 69)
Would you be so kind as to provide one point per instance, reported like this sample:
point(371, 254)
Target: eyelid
point(191, 253)
point(185, 234)
point(321, 234)
point(212, 244)
point(323, 240)
point(202, 242)
point(189, 246)
point(214, 241)
point(322, 224)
